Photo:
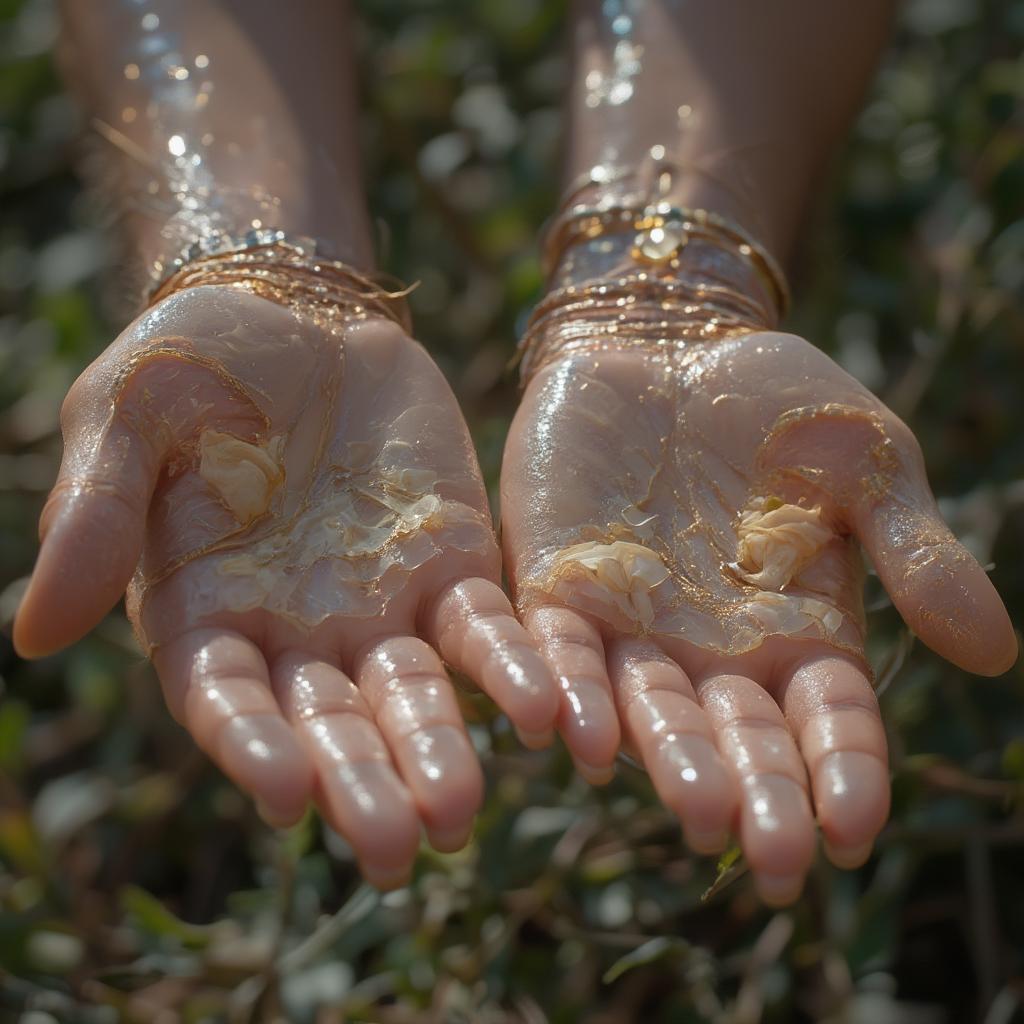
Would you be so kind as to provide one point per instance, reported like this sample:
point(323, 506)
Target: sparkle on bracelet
point(290, 272)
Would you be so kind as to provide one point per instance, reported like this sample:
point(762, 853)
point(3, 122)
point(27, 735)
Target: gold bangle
point(644, 311)
point(290, 273)
point(662, 231)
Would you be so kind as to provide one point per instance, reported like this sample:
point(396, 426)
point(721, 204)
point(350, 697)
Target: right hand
point(303, 524)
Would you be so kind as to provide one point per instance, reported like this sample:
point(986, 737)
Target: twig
point(363, 901)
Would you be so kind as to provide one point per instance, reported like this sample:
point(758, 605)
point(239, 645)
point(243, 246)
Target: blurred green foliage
point(135, 883)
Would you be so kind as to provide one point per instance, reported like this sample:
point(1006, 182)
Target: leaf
point(1013, 760)
point(648, 953)
point(153, 917)
point(20, 844)
point(14, 719)
point(730, 867)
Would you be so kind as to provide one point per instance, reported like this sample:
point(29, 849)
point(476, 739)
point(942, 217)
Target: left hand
point(707, 611)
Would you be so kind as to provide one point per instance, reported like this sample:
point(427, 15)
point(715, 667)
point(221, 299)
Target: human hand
point(679, 526)
point(303, 522)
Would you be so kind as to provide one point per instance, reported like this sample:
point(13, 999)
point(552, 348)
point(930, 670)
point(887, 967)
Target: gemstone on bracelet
point(662, 242)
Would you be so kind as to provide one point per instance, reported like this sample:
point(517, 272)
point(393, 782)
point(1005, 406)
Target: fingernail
point(450, 840)
point(712, 841)
point(384, 879)
point(779, 890)
point(849, 857)
point(535, 740)
point(276, 818)
point(596, 775)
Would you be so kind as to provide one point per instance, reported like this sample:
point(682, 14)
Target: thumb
point(870, 465)
point(937, 585)
point(121, 420)
point(91, 533)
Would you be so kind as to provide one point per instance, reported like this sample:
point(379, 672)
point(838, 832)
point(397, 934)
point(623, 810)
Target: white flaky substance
point(361, 520)
point(313, 476)
point(244, 476)
point(776, 541)
point(687, 497)
point(790, 614)
point(349, 545)
point(620, 574)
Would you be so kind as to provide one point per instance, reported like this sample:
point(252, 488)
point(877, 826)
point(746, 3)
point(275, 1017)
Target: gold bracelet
point(640, 310)
point(661, 232)
point(290, 273)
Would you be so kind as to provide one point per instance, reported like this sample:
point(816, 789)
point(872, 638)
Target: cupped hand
point(299, 518)
point(680, 527)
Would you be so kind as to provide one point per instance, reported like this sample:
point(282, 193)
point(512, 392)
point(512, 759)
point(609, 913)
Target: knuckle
point(74, 400)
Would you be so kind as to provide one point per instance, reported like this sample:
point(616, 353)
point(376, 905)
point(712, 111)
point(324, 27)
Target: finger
point(587, 718)
point(216, 684)
point(832, 711)
point(91, 538)
point(472, 624)
point(414, 706)
point(663, 721)
point(937, 585)
point(120, 420)
point(360, 792)
point(776, 825)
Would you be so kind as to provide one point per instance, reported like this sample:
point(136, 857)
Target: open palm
point(301, 516)
point(679, 529)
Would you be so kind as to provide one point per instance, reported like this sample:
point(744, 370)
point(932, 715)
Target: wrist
point(290, 271)
point(629, 270)
point(223, 218)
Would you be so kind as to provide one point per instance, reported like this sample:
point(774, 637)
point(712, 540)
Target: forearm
point(222, 117)
point(746, 99)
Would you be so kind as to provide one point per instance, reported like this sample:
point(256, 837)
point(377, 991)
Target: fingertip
point(595, 774)
point(691, 779)
point(1002, 654)
point(472, 623)
point(777, 828)
point(447, 803)
point(30, 635)
point(535, 740)
point(79, 576)
point(524, 687)
point(386, 879)
point(263, 756)
point(706, 843)
point(590, 727)
point(369, 806)
point(939, 588)
point(961, 616)
point(450, 840)
point(848, 858)
point(279, 818)
point(779, 891)
point(852, 794)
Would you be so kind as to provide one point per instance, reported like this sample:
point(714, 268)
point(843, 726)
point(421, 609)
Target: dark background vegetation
point(137, 885)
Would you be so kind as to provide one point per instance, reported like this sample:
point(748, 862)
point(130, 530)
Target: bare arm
point(265, 458)
point(683, 487)
point(222, 117)
point(747, 99)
